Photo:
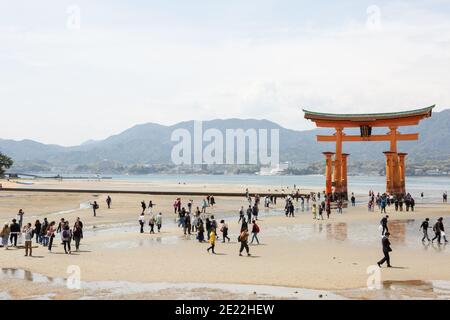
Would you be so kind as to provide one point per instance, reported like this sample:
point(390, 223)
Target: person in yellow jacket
point(314, 210)
point(212, 241)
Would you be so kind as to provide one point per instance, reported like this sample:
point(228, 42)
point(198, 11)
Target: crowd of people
point(43, 233)
point(201, 222)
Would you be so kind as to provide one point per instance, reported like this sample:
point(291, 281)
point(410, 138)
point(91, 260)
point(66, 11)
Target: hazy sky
point(65, 80)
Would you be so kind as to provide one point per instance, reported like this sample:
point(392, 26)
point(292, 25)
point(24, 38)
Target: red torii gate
point(336, 169)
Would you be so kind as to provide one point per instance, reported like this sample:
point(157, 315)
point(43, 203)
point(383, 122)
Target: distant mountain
point(151, 144)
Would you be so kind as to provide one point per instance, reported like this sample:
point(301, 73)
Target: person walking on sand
point(66, 236)
point(249, 214)
point(44, 232)
point(243, 239)
point(51, 234)
point(200, 231)
point(95, 207)
point(159, 221)
point(108, 202)
point(424, 227)
point(187, 223)
point(4, 234)
point(20, 217)
point(142, 221)
point(241, 214)
point(212, 241)
point(28, 232)
point(37, 231)
point(437, 232)
point(224, 230)
point(314, 211)
point(14, 232)
point(384, 225)
point(386, 250)
point(77, 234)
point(255, 231)
point(144, 206)
point(353, 200)
point(151, 223)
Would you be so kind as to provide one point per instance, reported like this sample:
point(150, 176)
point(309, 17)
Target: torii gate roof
point(403, 118)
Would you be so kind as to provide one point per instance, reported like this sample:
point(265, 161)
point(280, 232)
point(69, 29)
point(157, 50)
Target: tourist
point(204, 205)
point(437, 232)
point(328, 208)
point(187, 223)
point(249, 214)
point(424, 227)
point(339, 206)
point(4, 234)
point(142, 221)
point(353, 200)
point(14, 232)
point(255, 211)
point(444, 197)
point(207, 227)
point(28, 233)
point(95, 207)
point(37, 231)
point(386, 249)
point(440, 224)
point(212, 241)
point(51, 234)
point(108, 202)
point(412, 203)
point(44, 228)
point(314, 211)
point(20, 217)
point(241, 214)
point(214, 225)
point(243, 239)
point(255, 231)
point(383, 204)
point(194, 224)
point(66, 236)
point(151, 223)
point(321, 208)
point(181, 218)
point(400, 204)
point(200, 231)
point(60, 228)
point(143, 206)
point(384, 225)
point(77, 233)
point(190, 204)
point(150, 207)
point(159, 221)
point(212, 201)
point(224, 230)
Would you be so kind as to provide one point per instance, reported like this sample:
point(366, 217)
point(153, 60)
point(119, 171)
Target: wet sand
point(331, 256)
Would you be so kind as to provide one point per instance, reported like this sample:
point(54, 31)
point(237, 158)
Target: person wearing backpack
point(255, 231)
point(243, 239)
point(224, 230)
point(66, 236)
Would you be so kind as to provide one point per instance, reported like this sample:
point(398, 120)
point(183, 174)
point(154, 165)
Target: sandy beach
point(298, 258)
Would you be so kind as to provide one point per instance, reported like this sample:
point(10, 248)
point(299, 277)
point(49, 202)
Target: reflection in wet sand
point(404, 233)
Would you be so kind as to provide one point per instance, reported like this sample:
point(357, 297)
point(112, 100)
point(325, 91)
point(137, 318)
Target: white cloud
point(67, 87)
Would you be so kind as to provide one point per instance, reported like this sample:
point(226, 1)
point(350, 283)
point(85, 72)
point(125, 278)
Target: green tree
point(5, 163)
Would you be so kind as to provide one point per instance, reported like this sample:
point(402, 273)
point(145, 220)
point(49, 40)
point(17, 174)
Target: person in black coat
point(386, 249)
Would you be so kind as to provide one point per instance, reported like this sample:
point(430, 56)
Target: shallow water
point(413, 289)
point(179, 290)
point(404, 233)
